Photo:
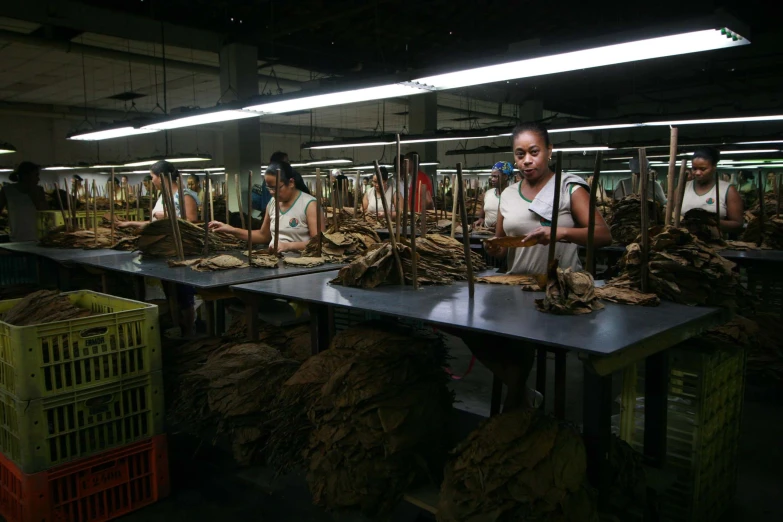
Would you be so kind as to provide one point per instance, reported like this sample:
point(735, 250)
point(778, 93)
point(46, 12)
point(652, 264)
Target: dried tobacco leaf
point(41, 307)
point(156, 240)
point(568, 293)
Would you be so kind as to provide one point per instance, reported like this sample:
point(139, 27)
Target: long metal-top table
point(607, 340)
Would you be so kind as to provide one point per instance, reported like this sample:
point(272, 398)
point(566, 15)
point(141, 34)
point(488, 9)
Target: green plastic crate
point(44, 360)
point(49, 219)
point(42, 433)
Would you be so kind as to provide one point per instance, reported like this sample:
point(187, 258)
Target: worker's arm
point(496, 251)
point(257, 237)
point(580, 210)
point(3, 202)
point(734, 212)
point(480, 221)
point(191, 209)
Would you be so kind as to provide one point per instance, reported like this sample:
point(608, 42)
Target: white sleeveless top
point(293, 222)
point(519, 220)
point(491, 202)
point(22, 214)
point(159, 204)
point(376, 205)
point(692, 200)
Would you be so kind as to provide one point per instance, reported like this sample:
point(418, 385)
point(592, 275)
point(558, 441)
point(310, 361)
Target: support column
point(423, 119)
point(241, 138)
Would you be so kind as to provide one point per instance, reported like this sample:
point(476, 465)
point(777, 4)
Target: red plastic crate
point(94, 489)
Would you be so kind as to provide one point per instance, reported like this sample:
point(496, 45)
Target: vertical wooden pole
point(319, 209)
point(62, 207)
point(465, 237)
point(225, 198)
point(211, 200)
point(95, 213)
point(645, 218)
point(127, 200)
point(277, 209)
point(454, 200)
point(594, 187)
point(111, 206)
point(414, 164)
point(762, 207)
point(717, 201)
point(777, 191)
point(405, 197)
point(239, 200)
point(555, 209)
point(392, 239)
point(250, 213)
point(680, 193)
point(206, 206)
point(423, 207)
point(357, 196)
point(153, 196)
point(670, 177)
point(169, 191)
point(181, 196)
point(139, 217)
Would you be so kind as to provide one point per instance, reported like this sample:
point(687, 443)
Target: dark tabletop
point(135, 264)
point(507, 311)
point(56, 254)
point(769, 256)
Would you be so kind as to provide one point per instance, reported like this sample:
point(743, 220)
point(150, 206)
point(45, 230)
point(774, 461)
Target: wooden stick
point(139, 217)
point(777, 198)
point(680, 193)
point(423, 207)
point(111, 206)
point(717, 201)
point(414, 164)
point(762, 207)
point(405, 198)
point(173, 217)
point(670, 176)
point(153, 197)
point(392, 239)
point(95, 213)
point(454, 200)
point(239, 200)
point(277, 209)
point(181, 191)
point(205, 207)
point(211, 200)
point(225, 197)
point(418, 203)
point(645, 214)
point(319, 209)
point(465, 238)
point(397, 183)
point(127, 200)
point(594, 187)
point(357, 198)
point(62, 207)
point(555, 209)
point(250, 214)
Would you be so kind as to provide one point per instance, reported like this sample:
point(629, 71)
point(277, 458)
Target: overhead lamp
point(757, 142)
point(712, 121)
point(602, 171)
point(7, 148)
point(115, 166)
point(175, 159)
point(338, 161)
point(764, 166)
point(595, 127)
point(672, 45)
point(348, 145)
point(581, 149)
point(58, 167)
point(6, 170)
point(207, 169)
point(120, 132)
point(381, 92)
point(731, 152)
point(201, 119)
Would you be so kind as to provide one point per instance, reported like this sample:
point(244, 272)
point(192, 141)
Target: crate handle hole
point(93, 332)
point(101, 467)
point(99, 401)
point(32, 375)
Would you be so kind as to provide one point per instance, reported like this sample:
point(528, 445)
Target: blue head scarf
point(504, 167)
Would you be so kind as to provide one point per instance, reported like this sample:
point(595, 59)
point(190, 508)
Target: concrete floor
point(206, 487)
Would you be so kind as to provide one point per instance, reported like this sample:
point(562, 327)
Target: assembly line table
point(213, 287)
point(607, 340)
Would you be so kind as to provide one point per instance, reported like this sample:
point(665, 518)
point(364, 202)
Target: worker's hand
point(219, 226)
point(541, 235)
point(494, 250)
point(282, 246)
point(159, 214)
point(479, 222)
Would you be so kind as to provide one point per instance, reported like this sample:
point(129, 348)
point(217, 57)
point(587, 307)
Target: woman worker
point(23, 199)
point(488, 217)
point(298, 212)
point(372, 204)
point(526, 211)
point(702, 192)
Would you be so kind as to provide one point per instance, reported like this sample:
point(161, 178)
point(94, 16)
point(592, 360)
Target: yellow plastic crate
point(42, 433)
point(49, 219)
point(45, 360)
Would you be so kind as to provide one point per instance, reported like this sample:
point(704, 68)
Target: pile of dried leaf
point(627, 494)
point(528, 283)
point(765, 351)
point(704, 225)
point(773, 232)
point(625, 220)
point(124, 239)
point(623, 294)
point(518, 466)
point(370, 416)
point(441, 260)
point(156, 240)
point(682, 269)
point(352, 239)
point(211, 264)
point(44, 306)
point(568, 293)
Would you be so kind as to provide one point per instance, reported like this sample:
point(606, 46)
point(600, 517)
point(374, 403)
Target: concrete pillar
point(423, 119)
point(241, 138)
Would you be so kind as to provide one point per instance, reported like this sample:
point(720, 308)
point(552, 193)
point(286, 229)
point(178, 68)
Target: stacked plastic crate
point(82, 424)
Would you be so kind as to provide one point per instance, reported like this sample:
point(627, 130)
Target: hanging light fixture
point(6, 148)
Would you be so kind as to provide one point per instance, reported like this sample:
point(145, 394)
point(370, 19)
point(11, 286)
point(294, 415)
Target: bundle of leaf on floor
point(441, 260)
point(568, 292)
point(518, 466)
point(369, 417)
point(43, 306)
point(625, 220)
point(343, 244)
point(156, 240)
point(682, 269)
point(124, 239)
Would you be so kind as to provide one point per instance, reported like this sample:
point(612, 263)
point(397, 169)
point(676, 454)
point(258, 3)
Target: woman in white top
point(159, 172)
point(526, 210)
point(372, 204)
point(702, 192)
point(488, 217)
point(23, 200)
point(298, 212)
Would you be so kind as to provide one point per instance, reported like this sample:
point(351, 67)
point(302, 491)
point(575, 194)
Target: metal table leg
point(656, 388)
point(597, 415)
point(220, 316)
point(209, 316)
point(319, 328)
point(497, 395)
point(541, 370)
point(251, 311)
point(560, 383)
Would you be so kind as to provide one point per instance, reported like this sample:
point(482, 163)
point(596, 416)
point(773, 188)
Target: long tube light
point(110, 133)
point(381, 92)
point(201, 119)
point(673, 45)
point(146, 162)
point(7, 148)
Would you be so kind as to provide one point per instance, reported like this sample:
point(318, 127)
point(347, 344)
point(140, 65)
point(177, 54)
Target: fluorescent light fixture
point(602, 172)
point(595, 127)
point(136, 172)
point(731, 152)
point(116, 166)
point(764, 166)
point(177, 159)
point(58, 167)
point(188, 158)
point(6, 170)
point(208, 169)
point(110, 133)
point(201, 119)
point(685, 43)
point(381, 92)
point(7, 148)
point(429, 163)
point(580, 149)
point(711, 121)
point(757, 142)
point(338, 161)
point(350, 145)
point(142, 163)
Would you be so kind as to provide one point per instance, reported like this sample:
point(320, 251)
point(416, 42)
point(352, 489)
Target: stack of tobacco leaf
point(704, 225)
point(625, 221)
point(304, 262)
point(351, 240)
point(628, 489)
point(765, 351)
point(568, 293)
point(518, 466)
point(773, 232)
point(441, 260)
point(156, 240)
point(682, 269)
point(211, 264)
point(292, 341)
point(263, 259)
point(43, 306)
point(124, 239)
point(378, 414)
